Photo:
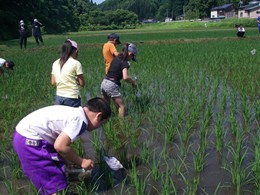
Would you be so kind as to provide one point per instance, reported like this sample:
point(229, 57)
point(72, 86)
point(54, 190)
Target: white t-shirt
point(2, 61)
point(48, 122)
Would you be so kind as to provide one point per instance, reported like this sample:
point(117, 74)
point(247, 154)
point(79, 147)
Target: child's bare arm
point(63, 146)
point(53, 81)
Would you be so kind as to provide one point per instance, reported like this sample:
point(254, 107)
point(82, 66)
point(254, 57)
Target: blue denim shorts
point(73, 102)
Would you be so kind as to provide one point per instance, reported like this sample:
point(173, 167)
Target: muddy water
point(213, 173)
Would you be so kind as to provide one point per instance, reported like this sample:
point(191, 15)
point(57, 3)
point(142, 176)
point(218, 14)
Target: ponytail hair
point(67, 49)
point(124, 54)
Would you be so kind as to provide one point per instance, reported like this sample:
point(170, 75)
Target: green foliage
point(108, 20)
point(61, 16)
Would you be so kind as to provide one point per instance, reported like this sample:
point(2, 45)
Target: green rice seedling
point(170, 129)
point(98, 145)
point(191, 185)
point(164, 152)
point(215, 89)
point(183, 138)
point(246, 112)
point(233, 124)
point(78, 188)
point(183, 134)
point(236, 170)
point(218, 188)
point(77, 145)
point(145, 154)
point(132, 131)
point(112, 137)
point(13, 163)
point(179, 165)
point(216, 192)
point(155, 166)
point(134, 173)
point(10, 188)
point(124, 189)
point(199, 159)
point(206, 118)
point(168, 186)
point(256, 162)
point(224, 97)
point(219, 133)
point(139, 185)
point(203, 139)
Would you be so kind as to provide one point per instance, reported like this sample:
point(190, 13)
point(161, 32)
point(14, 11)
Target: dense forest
point(60, 16)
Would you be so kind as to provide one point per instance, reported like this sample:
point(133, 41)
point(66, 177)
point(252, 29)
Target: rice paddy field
point(194, 129)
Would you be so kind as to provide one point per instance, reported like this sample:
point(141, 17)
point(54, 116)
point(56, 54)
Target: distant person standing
point(258, 23)
point(109, 50)
point(22, 28)
point(36, 31)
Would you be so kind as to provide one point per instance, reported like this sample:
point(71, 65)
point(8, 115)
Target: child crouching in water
point(43, 141)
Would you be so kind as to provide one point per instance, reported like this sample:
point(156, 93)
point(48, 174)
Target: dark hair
point(10, 64)
point(66, 51)
point(124, 54)
point(99, 104)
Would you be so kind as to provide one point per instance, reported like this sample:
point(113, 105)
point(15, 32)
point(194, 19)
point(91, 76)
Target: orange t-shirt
point(108, 53)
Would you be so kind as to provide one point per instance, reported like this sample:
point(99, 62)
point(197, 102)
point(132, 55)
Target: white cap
point(21, 21)
point(35, 20)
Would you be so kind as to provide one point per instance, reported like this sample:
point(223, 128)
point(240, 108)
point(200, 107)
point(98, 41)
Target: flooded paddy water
point(178, 162)
point(191, 131)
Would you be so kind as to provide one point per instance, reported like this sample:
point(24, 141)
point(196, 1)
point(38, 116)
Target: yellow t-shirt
point(65, 78)
point(108, 53)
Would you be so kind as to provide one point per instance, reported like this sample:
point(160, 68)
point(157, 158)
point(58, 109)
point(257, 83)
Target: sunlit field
point(194, 129)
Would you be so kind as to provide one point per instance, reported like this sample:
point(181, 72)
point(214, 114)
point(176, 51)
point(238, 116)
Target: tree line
point(159, 9)
point(60, 16)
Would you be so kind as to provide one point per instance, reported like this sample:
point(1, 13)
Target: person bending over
point(5, 65)
point(117, 71)
point(43, 139)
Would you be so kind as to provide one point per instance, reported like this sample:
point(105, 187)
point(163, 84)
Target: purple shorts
point(40, 162)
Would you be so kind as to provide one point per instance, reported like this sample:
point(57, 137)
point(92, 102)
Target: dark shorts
point(40, 162)
point(73, 102)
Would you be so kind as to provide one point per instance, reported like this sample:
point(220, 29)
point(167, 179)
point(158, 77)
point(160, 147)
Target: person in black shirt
point(117, 71)
point(22, 28)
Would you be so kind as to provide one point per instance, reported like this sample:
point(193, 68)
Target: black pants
point(37, 38)
point(23, 41)
point(240, 34)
